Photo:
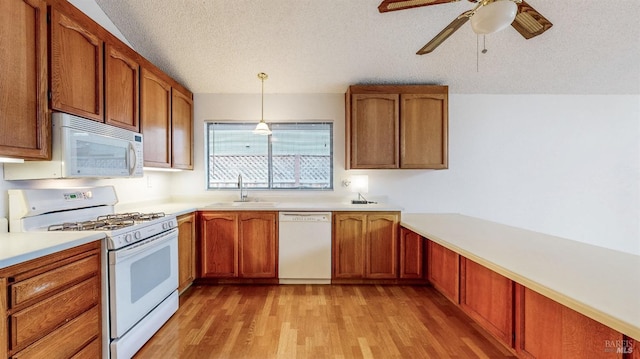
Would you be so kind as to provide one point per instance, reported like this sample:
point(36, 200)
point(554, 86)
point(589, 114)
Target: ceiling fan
point(487, 16)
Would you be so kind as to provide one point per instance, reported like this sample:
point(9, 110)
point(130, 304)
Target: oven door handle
point(145, 245)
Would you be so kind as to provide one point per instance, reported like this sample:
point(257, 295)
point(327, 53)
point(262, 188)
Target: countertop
point(20, 247)
point(600, 283)
point(179, 208)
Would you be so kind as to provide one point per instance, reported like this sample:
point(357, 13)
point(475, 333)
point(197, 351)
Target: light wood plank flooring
point(319, 321)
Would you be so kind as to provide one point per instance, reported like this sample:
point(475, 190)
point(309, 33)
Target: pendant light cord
point(262, 77)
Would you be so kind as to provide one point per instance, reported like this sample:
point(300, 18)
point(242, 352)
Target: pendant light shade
point(494, 17)
point(262, 128)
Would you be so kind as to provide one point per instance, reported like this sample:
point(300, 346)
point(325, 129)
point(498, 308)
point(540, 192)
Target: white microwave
point(83, 148)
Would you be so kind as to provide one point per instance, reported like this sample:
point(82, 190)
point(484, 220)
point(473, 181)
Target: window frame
point(270, 187)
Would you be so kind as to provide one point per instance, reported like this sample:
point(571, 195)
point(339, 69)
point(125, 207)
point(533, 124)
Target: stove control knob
point(137, 235)
point(127, 238)
point(166, 225)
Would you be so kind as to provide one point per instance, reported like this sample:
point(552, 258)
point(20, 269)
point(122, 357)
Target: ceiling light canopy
point(494, 16)
point(262, 128)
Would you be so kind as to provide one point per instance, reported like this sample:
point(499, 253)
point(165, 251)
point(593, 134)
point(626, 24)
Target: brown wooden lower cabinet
point(487, 297)
point(365, 245)
point(548, 329)
point(443, 266)
point(52, 305)
point(411, 254)
point(528, 323)
point(186, 250)
point(258, 245)
point(239, 244)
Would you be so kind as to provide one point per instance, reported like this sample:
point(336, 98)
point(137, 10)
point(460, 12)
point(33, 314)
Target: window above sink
point(297, 155)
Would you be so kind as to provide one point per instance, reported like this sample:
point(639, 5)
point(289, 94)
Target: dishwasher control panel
point(305, 217)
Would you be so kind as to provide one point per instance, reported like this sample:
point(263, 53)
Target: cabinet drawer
point(53, 280)
point(76, 338)
point(34, 322)
point(92, 350)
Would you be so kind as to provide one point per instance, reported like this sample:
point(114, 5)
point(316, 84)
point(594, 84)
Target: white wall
point(563, 165)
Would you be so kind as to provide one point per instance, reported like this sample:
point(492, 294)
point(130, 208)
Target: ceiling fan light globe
point(494, 17)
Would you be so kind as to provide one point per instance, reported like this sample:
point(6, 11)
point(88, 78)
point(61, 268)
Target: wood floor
point(319, 321)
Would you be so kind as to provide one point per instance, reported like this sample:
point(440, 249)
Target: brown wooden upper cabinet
point(166, 121)
point(76, 68)
point(122, 88)
point(155, 115)
point(181, 130)
point(403, 126)
point(24, 121)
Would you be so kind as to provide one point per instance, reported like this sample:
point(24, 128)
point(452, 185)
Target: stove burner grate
point(107, 222)
point(134, 216)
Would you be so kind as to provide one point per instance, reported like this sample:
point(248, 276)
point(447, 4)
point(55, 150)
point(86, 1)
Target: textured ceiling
point(322, 46)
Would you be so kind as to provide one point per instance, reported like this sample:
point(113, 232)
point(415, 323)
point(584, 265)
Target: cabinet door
point(487, 297)
point(443, 270)
point(382, 246)
point(219, 251)
point(411, 254)
point(349, 245)
point(181, 130)
point(24, 125)
point(186, 251)
point(374, 131)
point(423, 136)
point(547, 329)
point(258, 245)
point(155, 119)
point(122, 89)
point(76, 68)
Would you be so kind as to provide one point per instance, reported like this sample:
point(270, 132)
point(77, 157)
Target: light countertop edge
point(600, 283)
point(21, 247)
point(180, 208)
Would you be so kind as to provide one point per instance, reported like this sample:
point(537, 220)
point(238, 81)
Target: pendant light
point(262, 128)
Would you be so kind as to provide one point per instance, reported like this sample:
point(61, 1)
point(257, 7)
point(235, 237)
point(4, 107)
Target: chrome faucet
point(243, 196)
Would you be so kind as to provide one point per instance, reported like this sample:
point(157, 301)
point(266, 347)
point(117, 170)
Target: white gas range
point(142, 272)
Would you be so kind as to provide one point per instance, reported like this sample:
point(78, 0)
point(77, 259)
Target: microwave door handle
point(134, 159)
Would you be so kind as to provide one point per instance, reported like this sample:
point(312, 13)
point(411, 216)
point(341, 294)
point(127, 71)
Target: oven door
point(140, 277)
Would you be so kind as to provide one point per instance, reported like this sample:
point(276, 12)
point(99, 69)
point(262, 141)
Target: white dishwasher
point(304, 255)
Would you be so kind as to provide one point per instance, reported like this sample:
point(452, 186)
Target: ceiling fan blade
point(529, 22)
point(393, 5)
point(444, 34)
